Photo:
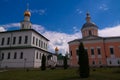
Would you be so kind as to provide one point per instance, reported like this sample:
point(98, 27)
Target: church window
point(100, 62)
point(36, 41)
point(33, 40)
point(93, 62)
point(8, 40)
point(77, 51)
point(26, 39)
point(2, 56)
point(111, 51)
point(40, 56)
point(118, 62)
point(20, 40)
point(21, 55)
point(14, 40)
point(71, 52)
point(90, 33)
point(98, 50)
point(3, 39)
point(39, 43)
point(15, 55)
point(37, 55)
point(110, 62)
point(23, 26)
point(44, 45)
point(8, 56)
point(92, 51)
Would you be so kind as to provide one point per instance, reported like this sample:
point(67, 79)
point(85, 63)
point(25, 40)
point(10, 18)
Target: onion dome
point(88, 22)
point(56, 49)
point(27, 13)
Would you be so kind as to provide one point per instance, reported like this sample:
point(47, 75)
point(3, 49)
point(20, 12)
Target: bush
point(43, 66)
point(65, 63)
point(83, 62)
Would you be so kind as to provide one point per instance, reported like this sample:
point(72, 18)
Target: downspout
point(105, 50)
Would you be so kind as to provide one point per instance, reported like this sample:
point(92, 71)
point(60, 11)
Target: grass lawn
point(60, 74)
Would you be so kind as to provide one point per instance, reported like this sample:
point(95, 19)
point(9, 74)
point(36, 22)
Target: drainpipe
point(105, 50)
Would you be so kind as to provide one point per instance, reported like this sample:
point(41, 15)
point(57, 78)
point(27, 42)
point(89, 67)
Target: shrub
point(43, 66)
point(65, 62)
point(83, 62)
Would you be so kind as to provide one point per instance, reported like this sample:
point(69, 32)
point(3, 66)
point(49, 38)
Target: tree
point(65, 62)
point(43, 66)
point(83, 62)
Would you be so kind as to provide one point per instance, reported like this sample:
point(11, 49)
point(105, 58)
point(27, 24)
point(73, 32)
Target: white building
point(22, 48)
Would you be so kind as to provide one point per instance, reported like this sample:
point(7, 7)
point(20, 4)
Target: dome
point(89, 24)
point(27, 13)
point(56, 49)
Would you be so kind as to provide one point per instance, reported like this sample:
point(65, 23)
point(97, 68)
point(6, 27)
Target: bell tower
point(26, 24)
point(89, 28)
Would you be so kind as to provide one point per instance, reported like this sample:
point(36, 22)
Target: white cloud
point(38, 28)
point(40, 11)
point(110, 31)
point(79, 11)
point(75, 29)
point(11, 25)
point(2, 29)
point(103, 7)
point(60, 40)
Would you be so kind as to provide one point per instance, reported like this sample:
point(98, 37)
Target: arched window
point(90, 33)
point(2, 56)
point(8, 56)
point(15, 55)
point(118, 62)
point(93, 62)
point(22, 26)
point(40, 56)
point(21, 55)
point(100, 62)
point(110, 62)
point(37, 55)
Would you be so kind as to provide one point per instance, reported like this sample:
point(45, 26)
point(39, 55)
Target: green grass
point(60, 74)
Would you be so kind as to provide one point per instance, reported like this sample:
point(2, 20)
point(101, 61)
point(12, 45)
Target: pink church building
point(102, 51)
